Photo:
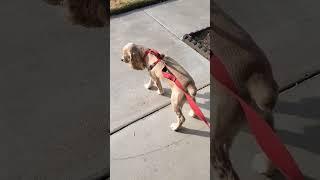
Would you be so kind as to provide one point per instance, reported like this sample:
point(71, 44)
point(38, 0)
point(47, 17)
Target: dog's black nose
point(122, 60)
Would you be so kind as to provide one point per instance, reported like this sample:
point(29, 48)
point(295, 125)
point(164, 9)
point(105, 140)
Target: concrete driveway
point(52, 96)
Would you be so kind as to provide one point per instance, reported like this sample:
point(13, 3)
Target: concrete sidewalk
point(298, 126)
point(52, 96)
point(149, 149)
point(128, 98)
point(286, 30)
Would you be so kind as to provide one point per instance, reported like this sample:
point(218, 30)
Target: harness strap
point(264, 135)
point(191, 102)
point(168, 75)
point(155, 53)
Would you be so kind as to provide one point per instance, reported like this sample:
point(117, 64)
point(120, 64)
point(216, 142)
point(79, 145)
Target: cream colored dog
point(253, 77)
point(134, 55)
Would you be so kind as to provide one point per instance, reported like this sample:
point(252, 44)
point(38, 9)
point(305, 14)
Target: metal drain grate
point(199, 41)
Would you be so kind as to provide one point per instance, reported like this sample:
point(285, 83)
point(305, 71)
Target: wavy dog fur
point(88, 13)
point(133, 55)
point(251, 71)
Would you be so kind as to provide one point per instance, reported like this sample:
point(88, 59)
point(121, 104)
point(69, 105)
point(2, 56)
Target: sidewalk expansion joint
point(199, 45)
point(184, 38)
point(300, 81)
point(161, 24)
point(148, 114)
point(157, 149)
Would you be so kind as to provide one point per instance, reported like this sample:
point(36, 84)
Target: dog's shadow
point(196, 132)
point(279, 176)
point(305, 108)
point(206, 96)
point(167, 91)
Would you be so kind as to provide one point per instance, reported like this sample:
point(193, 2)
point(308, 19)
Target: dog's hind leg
point(192, 90)
point(149, 84)
point(177, 101)
point(228, 121)
point(264, 94)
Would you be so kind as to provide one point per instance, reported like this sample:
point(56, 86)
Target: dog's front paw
point(148, 86)
point(175, 126)
point(263, 166)
point(160, 92)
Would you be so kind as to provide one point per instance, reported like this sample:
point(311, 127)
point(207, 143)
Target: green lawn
point(121, 6)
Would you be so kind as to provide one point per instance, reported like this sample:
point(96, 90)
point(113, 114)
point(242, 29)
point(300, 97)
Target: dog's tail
point(264, 92)
point(192, 90)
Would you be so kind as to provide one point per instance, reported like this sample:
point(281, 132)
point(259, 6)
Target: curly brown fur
point(54, 2)
point(250, 70)
point(88, 13)
point(133, 54)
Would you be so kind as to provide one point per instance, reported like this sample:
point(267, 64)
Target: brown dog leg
point(177, 102)
point(159, 86)
point(228, 117)
point(192, 90)
point(264, 95)
point(149, 84)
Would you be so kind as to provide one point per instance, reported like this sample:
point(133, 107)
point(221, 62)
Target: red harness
point(168, 75)
point(265, 136)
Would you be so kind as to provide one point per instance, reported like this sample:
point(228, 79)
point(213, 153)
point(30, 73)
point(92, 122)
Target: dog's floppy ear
point(134, 53)
point(88, 13)
point(136, 58)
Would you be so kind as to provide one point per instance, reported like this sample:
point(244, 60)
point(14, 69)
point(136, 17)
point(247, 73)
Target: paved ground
point(52, 96)
point(147, 149)
point(129, 100)
point(286, 30)
point(297, 123)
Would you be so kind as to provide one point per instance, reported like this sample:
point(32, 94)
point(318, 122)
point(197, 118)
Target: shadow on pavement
point(206, 96)
point(306, 108)
point(279, 176)
point(196, 132)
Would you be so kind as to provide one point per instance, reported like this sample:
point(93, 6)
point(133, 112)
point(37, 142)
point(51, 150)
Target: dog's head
point(133, 55)
point(88, 13)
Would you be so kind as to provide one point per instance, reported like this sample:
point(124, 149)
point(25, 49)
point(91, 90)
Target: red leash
point(172, 78)
point(265, 136)
point(191, 102)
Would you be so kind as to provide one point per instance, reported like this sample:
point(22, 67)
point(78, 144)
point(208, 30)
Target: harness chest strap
point(168, 75)
point(264, 135)
point(155, 53)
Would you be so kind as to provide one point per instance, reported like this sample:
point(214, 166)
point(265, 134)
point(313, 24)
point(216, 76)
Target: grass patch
point(121, 6)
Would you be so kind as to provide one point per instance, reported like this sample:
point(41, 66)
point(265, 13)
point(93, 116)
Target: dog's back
point(239, 53)
point(177, 70)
